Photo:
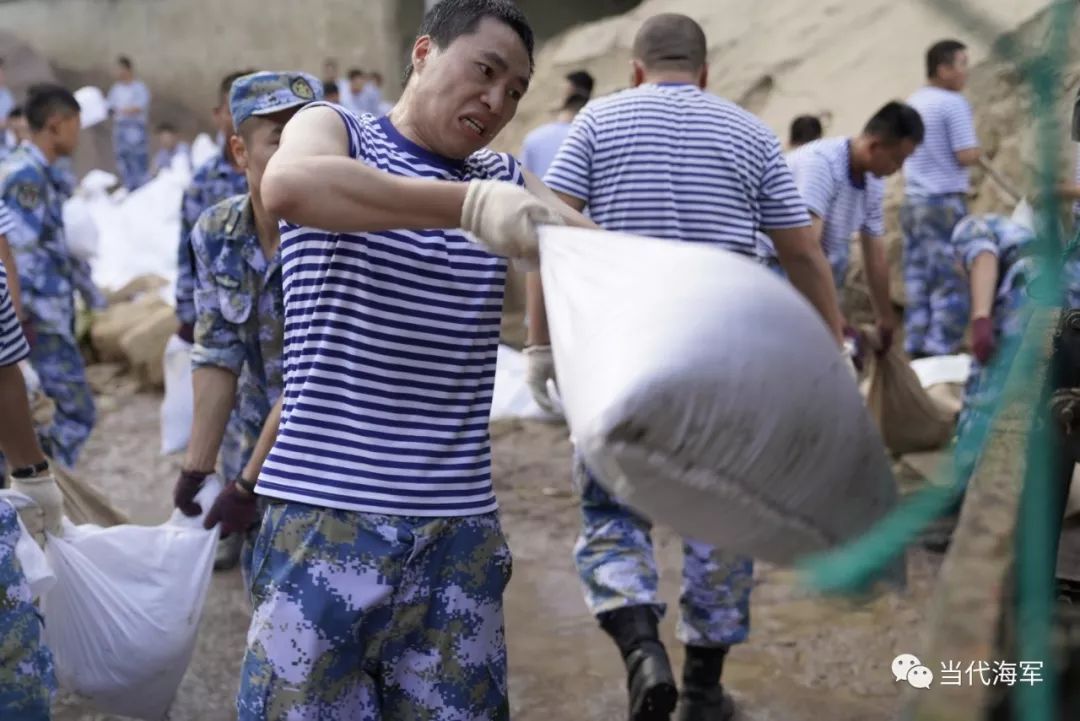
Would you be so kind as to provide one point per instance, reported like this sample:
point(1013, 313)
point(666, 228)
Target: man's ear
point(422, 49)
point(637, 73)
point(239, 151)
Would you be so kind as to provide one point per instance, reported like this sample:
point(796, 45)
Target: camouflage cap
point(265, 93)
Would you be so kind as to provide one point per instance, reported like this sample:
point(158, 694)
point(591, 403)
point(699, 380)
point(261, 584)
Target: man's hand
point(982, 339)
point(886, 330)
point(234, 509)
point(503, 217)
point(45, 516)
point(539, 368)
point(187, 487)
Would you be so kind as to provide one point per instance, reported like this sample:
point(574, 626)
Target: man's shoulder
point(23, 180)
point(487, 164)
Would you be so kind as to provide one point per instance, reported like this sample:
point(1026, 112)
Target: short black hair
point(575, 102)
point(45, 100)
point(225, 86)
point(805, 129)
point(356, 73)
point(582, 81)
point(896, 121)
point(329, 87)
point(165, 127)
point(448, 20)
point(941, 53)
point(125, 62)
point(17, 112)
point(670, 41)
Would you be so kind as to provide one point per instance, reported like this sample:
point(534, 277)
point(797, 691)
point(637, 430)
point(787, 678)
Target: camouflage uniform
point(48, 274)
point(936, 313)
point(240, 319)
point(27, 675)
point(614, 557)
point(364, 616)
point(212, 183)
point(1010, 243)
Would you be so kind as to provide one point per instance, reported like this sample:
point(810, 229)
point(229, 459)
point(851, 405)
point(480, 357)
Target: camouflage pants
point(614, 557)
point(1070, 272)
point(27, 677)
point(936, 313)
point(57, 361)
point(363, 616)
point(132, 154)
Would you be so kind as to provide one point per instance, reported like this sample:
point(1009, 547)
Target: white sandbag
point(202, 149)
point(942, 369)
point(708, 394)
point(178, 406)
point(80, 229)
point(97, 182)
point(123, 616)
point(512, 397)
point(93, 108)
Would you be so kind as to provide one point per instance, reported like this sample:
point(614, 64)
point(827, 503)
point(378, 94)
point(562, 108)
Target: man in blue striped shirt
point(668, 160)
point(935, 199)
point(841, 181)
point(378, 575)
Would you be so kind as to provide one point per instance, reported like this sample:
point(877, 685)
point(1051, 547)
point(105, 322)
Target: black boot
point(649, 680)
point(703, 697)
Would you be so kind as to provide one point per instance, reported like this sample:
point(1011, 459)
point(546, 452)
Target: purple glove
point(186, 331)
point(189, 484)
point(234, 509)
point(982, 339)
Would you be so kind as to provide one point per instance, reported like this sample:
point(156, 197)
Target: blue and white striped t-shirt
point(13, 346)
point(822, 171)
point(390, 347)
point(673, 161)
point(950, 127)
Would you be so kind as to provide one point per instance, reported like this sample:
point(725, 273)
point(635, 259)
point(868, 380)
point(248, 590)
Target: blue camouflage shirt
point(240, 310)
point(213, 182)
point(1009, 242)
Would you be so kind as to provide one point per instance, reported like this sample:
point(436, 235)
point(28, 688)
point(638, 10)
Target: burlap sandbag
point(144, 346)
point(111, 325)
point(85, 504)
point(908, 418)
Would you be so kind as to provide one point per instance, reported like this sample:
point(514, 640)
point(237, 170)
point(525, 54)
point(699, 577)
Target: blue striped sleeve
point(960, 124)
point(781, 205)
point(874, 223)
point(7, 220)
point(815, 181)
point(571, 169)
point(13, 347)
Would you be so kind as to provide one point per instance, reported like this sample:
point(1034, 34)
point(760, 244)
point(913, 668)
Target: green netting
point(852, 568)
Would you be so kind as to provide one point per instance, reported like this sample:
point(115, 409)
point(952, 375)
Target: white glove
point(503, 217)
point(539, 368)
point(48, 509)
point(849, 359)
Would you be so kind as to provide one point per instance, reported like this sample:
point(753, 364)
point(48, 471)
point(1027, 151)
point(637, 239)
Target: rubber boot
point(703, 697)
point(649, 680)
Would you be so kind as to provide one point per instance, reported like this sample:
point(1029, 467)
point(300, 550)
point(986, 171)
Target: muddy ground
point(808, 659)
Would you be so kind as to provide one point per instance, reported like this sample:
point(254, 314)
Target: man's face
point(122, 74)
point(21, 127)
point(167, 139)
point(330, 69)
point(955, 75)
point(887, 158)
point(357, 83)
point(64, 129)
point(469, 91)
point(334, 97)
point(256, 143)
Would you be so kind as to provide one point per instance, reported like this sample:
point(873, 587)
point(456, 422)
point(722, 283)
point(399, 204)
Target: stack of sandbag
point(909, 419)
point(136, 331)
point(706, 393)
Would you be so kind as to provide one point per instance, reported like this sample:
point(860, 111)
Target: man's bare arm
point(17, 438)
point(264, 444)
point(968, 157)
point(215, 396)
point(311, 180)
point(983, 277)
point(804, 262)
point(877, 278)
